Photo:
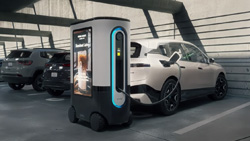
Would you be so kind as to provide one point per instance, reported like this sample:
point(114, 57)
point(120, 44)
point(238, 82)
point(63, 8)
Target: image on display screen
point(82, 62)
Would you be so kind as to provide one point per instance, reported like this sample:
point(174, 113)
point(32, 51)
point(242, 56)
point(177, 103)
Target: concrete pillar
point(51, 41)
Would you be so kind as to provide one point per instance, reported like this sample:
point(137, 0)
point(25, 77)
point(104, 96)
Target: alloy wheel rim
point(40, 83)
point(172, 100)
point(221, 87)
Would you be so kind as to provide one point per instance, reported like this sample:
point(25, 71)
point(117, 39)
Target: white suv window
point(176, 47)
point(169, 48)
point(135, 50)
point(193, 54)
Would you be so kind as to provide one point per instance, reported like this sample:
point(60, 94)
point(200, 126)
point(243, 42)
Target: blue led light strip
point(113, 65)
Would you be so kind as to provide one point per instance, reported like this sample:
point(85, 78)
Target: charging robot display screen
point(82, 61)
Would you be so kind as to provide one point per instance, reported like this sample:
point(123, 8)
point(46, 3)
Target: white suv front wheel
point(221, 88)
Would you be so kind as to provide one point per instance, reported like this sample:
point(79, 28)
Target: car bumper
point(56, 85)
point(10, 78)
point(1, 79)
point(138, 82)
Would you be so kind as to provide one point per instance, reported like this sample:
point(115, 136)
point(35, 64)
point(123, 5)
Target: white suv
point(152, 80)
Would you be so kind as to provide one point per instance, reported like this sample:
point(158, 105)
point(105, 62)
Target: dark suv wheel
point(55, 92)
point(170, 105)
point(38, 83)
point(15, 86)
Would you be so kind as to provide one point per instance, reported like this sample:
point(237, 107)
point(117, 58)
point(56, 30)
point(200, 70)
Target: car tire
point(55, 92)
point(221, 88)
point(170, 105)
point(72, 115)
point(97, 122)
point(15, 86)
point(38, 83)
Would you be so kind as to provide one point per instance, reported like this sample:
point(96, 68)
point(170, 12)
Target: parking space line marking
point(213, 118)
point(36, 94)
point(55, 99)
point(5, 88)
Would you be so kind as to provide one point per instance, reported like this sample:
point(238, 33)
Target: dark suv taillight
point(48, 65)
point(25, 63)
point(66, 65)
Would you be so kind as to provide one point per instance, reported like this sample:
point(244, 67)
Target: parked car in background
point(1, 62)
point(25, 66)
point(57, 74)
point(152, 80)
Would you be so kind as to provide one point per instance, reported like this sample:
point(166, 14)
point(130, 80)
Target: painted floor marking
point(213, 118)
point(36, 94)
point(54, 99)
point(5, 88)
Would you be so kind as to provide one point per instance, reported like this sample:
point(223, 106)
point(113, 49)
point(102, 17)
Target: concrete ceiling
point(27, 32)
point(167, 6)
point(36, 19)
point(14, 5)
point(9, 7)
point(11, 39)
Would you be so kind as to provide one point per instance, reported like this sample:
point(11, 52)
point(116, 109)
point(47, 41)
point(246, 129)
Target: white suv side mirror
point(211, 60)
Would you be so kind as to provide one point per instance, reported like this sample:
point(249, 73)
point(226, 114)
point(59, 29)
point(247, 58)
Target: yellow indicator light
point(118, 54)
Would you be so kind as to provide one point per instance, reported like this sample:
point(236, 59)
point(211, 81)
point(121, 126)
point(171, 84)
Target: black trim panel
point(16, 79)
point(154, 95)
point(195, 93)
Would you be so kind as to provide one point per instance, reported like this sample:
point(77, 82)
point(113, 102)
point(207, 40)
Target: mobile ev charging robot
point(99, 71)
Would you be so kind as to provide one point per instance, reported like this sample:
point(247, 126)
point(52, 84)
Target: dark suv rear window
point(19, 54)
point(60, 58)
point(1, 62)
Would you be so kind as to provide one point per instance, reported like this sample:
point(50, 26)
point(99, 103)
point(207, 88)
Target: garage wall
point(221, 28)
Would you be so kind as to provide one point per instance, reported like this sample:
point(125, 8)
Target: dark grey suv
point(56, 76)
point(25, 66)
point(1, 62)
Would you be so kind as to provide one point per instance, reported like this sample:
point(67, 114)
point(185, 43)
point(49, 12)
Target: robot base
point(97, 121)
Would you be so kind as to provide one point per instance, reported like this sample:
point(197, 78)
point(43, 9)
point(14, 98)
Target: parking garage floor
point(26, 115)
